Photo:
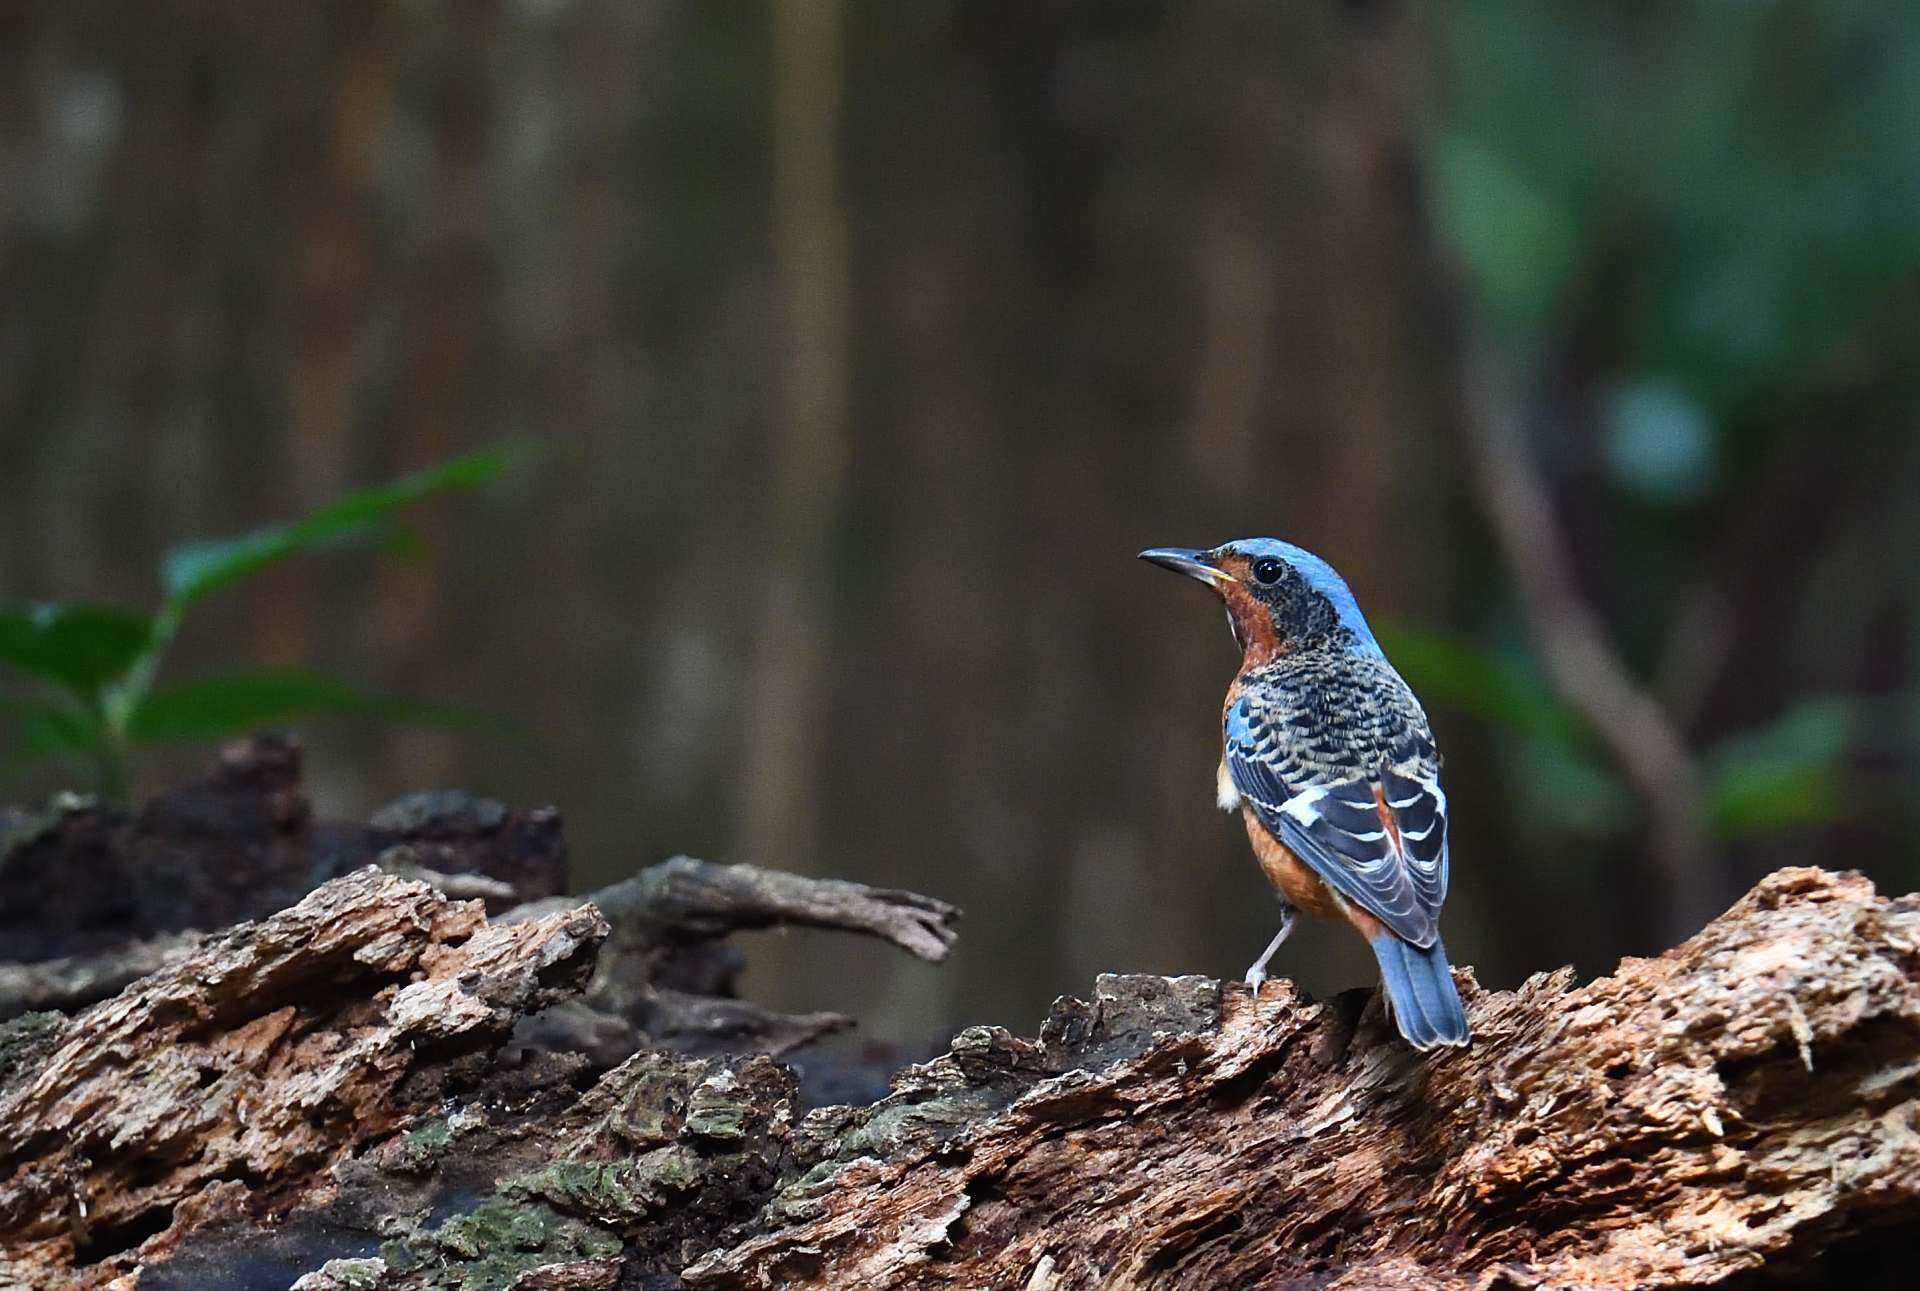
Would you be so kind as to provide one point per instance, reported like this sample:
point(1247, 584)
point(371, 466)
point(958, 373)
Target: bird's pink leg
point(1257, 975)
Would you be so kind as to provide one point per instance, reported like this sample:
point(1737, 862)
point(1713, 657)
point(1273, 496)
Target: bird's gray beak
point(1188, 561)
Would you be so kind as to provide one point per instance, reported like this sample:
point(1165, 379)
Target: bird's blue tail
point(1420, 989)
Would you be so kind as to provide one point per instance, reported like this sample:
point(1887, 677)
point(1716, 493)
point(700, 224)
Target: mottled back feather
point(1335, 757)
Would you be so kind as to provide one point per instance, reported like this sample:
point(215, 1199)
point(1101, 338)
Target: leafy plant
point(85, 691)
point(1791, 771)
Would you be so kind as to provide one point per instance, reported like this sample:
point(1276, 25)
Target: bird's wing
point(1378, 838)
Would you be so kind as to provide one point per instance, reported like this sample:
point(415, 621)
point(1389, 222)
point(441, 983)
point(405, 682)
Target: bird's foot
point(1257, 975)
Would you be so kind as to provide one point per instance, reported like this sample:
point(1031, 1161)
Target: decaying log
point(270, 1054)
point(332, 1107)
point(1745, 1099)
point(252, 1069)
point(93, 897)
point(83, 880)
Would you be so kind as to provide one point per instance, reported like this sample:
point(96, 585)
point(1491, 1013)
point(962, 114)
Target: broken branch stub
point(687, 898)
point(666, 975)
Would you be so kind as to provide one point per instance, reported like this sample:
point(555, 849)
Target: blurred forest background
point(864, 345)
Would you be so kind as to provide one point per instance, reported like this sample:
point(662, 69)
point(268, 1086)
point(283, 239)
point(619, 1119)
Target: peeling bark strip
point(322, 1099)
point(1753, 1095)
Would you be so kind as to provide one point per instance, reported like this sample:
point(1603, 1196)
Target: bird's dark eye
point(1267, 569)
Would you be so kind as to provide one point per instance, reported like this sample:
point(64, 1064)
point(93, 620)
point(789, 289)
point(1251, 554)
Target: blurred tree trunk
point(330, 269)
point(794, 582)
point(791, 561)
point(444, 325)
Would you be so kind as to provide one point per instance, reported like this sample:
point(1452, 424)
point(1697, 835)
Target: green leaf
point(1567, 789)
point(237, 702)
point(1448, 670)
point(1788, 772)
point(1748, 799)
point(195, 569)
point(42, 729)
point(1521, 247)
point(81, 647)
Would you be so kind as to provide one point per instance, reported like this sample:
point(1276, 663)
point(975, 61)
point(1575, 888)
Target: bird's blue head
point(1280, 598)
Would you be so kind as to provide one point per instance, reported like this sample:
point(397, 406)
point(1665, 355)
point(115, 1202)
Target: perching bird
point(1331, 764)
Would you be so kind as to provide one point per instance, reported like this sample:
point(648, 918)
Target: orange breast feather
point(1294, 877)
point(1296, 880)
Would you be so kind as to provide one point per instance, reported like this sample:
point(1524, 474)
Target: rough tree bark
point(331, 1098)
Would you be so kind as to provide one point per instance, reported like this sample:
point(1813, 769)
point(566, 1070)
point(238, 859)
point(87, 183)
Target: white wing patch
point(1397, 873)
point(1304, 806)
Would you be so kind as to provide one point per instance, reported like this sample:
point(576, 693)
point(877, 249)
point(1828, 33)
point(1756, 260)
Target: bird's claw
point(1256, 978)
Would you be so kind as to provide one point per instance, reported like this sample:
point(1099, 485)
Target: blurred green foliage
point(1680, 160)
point(1675, 222)
point(83, 688)
point(1790, 771)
